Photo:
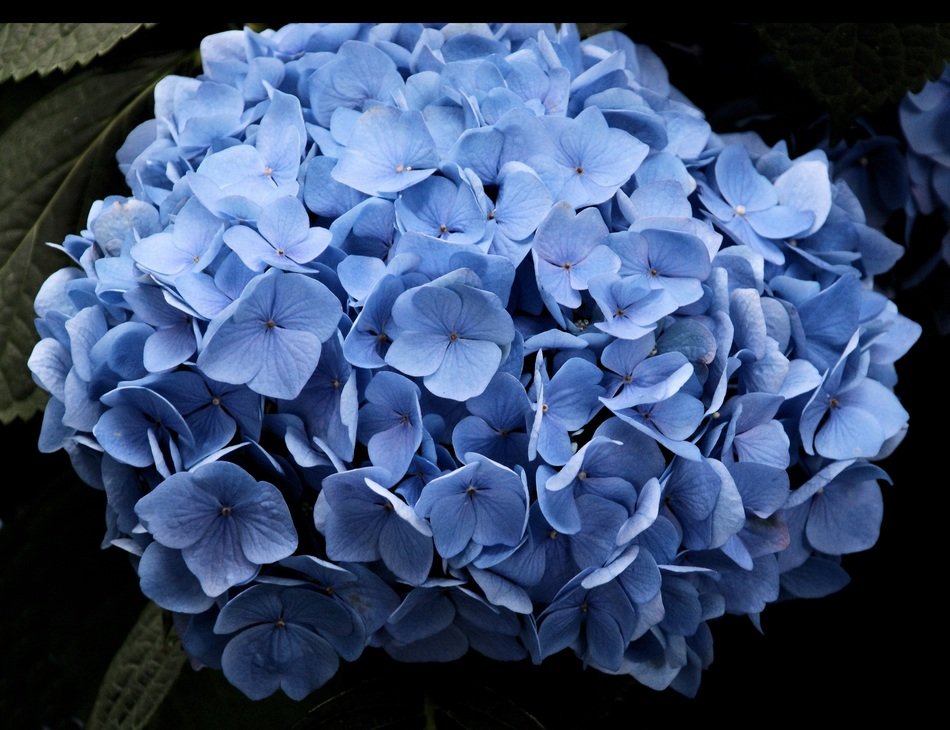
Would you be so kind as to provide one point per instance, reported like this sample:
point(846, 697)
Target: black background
point(66, 605)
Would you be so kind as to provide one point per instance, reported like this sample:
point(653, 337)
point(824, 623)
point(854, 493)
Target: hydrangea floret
point(468, 336)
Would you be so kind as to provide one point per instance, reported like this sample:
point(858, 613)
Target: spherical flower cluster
point(468, 337)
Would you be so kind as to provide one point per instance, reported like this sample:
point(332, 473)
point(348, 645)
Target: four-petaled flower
point(271, 336)
point(225, 522)
point(453, 336)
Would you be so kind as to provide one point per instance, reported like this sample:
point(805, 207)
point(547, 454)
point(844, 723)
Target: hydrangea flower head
point(469, 337)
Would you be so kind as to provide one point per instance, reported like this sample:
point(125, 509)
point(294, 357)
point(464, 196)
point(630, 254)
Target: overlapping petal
point(530, 357)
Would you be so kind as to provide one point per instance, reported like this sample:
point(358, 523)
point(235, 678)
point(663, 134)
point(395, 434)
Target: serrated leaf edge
point(21, 407)
point(139, 676)
point(81, 59)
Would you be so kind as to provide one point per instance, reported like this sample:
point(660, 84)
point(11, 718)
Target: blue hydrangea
point(439, 338)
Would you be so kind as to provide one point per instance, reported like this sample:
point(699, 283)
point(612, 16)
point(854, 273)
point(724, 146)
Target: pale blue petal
point(879, 400)
point(352, 530)
point(219, 562)
point(420, 353)
point(466, 369)
point(264, 658)
point(806, 186)
point(780, 222)
point(164, 577)
point(388, 151)
point(405, 551)
point(845, 517)
point(739, 182)
point(816, 578)
point(849, 432)
point(523, 201)
point(502, 592)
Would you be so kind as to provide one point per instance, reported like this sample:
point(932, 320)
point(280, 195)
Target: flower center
point(740, 210)
point(225, 511)
point(403, 168)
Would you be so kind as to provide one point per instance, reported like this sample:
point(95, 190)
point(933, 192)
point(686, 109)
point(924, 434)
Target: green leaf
point(55, 160)
point(27, 48)
point(140, 675)
point(856, 68)
point(56, 649)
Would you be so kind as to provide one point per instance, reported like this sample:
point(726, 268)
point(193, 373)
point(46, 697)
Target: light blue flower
point(388, 151)
point(843, 506)
point(283, 639)
point(357, 77)
point(562, 404)
point(214, 412)
point(453, 336)
point(850, 414)
point(235, 184)
point(283, 239)
point(479, 505)
point(141, 428)
point(271, 337)
point(226, 523)
point(496, 427)
point(588, 161)
point(749, 209)
point(174, 340)
point(569, 250)
point(363, 521)
point(440, 208)
point(391, 422)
